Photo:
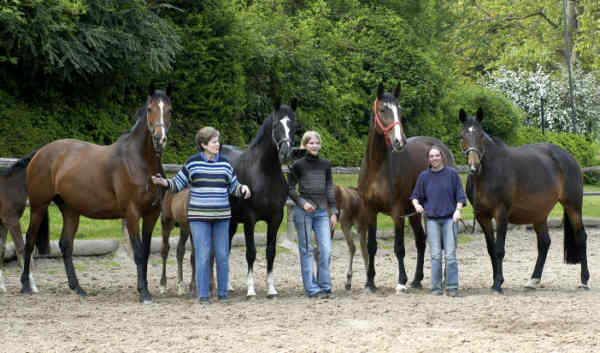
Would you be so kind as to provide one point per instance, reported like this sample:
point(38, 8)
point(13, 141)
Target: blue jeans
point(442, 233)
point(205, 235)
point(305, 224)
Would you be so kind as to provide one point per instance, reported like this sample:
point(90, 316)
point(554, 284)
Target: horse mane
point(18, 165)
point(139, 113)
point(261, 130)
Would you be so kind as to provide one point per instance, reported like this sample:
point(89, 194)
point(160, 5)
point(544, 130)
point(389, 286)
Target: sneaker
point(436, 292)
point(452, 293)
point(328, 295)
point(203, 300)
point(317, 295)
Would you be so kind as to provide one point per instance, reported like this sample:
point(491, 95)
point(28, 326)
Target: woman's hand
point(332, 223)
point(308, 207)
point(419, 208)
point(456, 216)
point(245, 191)
point(157, 179)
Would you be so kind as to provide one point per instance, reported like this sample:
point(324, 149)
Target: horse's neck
point(140, 147)
point(266, 151)
point(492, 160)
point(375, 157)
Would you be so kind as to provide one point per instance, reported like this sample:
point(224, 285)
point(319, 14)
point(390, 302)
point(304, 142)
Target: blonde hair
point(307, 137)
point(204, 135)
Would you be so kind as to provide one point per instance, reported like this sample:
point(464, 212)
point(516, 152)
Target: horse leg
point(272, 229)
point(420, 240)
point(3, 232)
point(232, 230)
point(132, 221)
point(347, 230)
point(193, 287)
point(250, 257)
point(35, 219)
point(164, 252)
point(488, 230)
point(70, 225)
point(372, 248)
point(502, 223)
point(575, 241)
point(400, 252)
point(148, 223)
point(543, 244)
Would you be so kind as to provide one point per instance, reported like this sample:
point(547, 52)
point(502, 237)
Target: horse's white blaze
point(163, 289)
point(34, 287)
point(271, 285)
point(163, 132)
point(471, 129)
point(397, 130)
point(251, 291)
point(2, 283)
point(533, 283)
point(401, 288)
point(285, 122)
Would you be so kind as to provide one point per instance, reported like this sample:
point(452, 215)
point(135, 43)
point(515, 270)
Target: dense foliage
point(81, 68)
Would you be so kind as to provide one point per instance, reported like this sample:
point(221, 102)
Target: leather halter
point(380, 124)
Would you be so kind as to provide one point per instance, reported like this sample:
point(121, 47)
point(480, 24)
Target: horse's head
point(158, 116)
point(283, 128)
point(472, 135)
point(387, 114)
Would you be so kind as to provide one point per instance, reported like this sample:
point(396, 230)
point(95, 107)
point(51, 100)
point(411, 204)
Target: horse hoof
point(371, 288)
point(26, 291)
point(401, 288)
point(584, 287)
point(498, 291)
point(348, 286)
point(416, 285)
point(251, 297)
point(533, 283)
point(271, 296)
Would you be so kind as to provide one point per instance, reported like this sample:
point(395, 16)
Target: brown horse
point(13, 199)
point(102, 182)
point(348, 203)
point(175, 211)
point(521, 185)
point(388, 174)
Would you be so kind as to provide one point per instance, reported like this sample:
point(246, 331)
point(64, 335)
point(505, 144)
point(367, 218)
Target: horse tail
point(43, 239)
point(573, 249)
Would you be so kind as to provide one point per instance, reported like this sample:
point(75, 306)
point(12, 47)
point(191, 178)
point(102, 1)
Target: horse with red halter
point(521, 185)
point(388, 174)
point(13, 200)
point(102, 182)
point(348, 203)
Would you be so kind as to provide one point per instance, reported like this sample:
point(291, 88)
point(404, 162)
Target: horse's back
point(175, 206)
point(232, 153)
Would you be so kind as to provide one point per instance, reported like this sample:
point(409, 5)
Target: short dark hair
point(204, 135)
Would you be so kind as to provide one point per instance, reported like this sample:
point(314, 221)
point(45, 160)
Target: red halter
point(380, 124)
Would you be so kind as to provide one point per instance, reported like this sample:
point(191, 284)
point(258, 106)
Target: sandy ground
point(556, 318)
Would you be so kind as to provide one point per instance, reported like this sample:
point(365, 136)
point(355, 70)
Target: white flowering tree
point(526, 88)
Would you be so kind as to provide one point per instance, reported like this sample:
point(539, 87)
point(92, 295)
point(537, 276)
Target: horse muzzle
point(398, 144)
point(285, 152)
point(159, 143)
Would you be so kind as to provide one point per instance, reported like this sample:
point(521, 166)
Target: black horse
point(259, 167)
point(521, 185)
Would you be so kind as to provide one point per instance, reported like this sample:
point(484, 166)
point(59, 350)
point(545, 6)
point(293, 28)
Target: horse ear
point(380, 91)
point(294, 103)
point(398, 90)
point(462, 115)
point(169, 89)
point(277, 103)
point(479, 114)
point(151, 89)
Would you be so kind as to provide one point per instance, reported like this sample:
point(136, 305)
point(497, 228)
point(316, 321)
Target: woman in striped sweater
point(212, 179)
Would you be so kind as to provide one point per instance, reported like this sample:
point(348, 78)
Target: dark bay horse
point(13, 199)
point(259, 167)
point(102, 182)
point(521, 185)
point(388, 174)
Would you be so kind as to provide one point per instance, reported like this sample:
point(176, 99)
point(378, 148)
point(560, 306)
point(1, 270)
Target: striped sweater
point(211, 183)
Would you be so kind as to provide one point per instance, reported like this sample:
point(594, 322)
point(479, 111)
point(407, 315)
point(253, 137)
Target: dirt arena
point(556, 318)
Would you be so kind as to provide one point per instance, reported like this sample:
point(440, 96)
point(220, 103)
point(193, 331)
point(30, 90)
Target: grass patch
point(112, 264)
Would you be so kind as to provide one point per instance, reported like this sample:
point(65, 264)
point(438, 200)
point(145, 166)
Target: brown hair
point(307, 136)
point(204, 135)
point(439, 149)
